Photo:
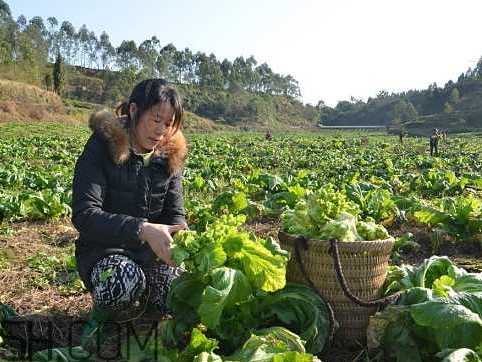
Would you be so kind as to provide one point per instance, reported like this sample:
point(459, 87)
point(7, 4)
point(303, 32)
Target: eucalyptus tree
point(67, 40)
point(184, 66)
point(189, 65)
point(93, 50)
point(208, 70)
point(88, 45)
point(148, 52)
point(265, 78)
point(477, 72)
point(178, 65)
point(37, 32)
point(205, 69)
point(201, 67)
point(216, 78)
point(165, 62)
point(8, 29)
point(5, 10)
point(107, 51)
point(127, 54)
point(21, 47)
point(53, 37)
point(250, 75)
point(277, 85)
point(83, 39)
point(21, 23)
point(238, 71)
point(226, 68)
point(292, 87)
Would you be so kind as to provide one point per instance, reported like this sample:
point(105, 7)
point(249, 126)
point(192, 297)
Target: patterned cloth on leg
point(159, 279)
point(118, 283)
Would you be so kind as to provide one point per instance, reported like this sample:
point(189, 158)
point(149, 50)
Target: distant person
point(434, 138)
point(401, 136)
point(127, 201)
point(268, 136)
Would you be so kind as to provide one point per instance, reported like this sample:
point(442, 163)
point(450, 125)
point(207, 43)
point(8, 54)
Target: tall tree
point(209, 70)
point(189, 66)
point(93, 49)
point(5, 10)
point(178, 65)
point(58, 74)
point(292, 88)
point(148, 53)
point(216, 78)
point(21, 23)
point(226, 68)
point(53, 37)
point(8, 29)
point(37, 32)
point(165, 62)
point(83, 38)
point(266, 78)
point(250, 75)
point(107, 51)
point(127, 54)
point(477, 72)
point(202, 68)
point(67, 40)
point(238, 71)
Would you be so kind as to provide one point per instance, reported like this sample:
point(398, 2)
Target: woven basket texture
point(364, 265)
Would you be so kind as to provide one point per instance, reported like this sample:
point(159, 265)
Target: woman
point(127, 200)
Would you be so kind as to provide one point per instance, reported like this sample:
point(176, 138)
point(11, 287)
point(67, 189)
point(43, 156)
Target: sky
point(335, 49)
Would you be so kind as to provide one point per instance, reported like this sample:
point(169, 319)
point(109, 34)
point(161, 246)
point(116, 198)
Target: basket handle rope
point(341, 279)
point(340, 276)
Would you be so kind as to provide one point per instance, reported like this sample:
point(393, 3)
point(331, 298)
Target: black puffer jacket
point(113, 193)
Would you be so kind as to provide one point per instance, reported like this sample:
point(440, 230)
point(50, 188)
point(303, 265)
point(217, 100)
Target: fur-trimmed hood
point(113, 129)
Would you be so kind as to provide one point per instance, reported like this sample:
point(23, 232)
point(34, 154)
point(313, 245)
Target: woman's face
point(153, 125)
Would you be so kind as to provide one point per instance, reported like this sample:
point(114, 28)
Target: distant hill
point(209, 108)
point(455, 108)
point(241, 111)
point(247, 110)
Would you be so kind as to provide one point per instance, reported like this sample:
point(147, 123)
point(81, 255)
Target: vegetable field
point(240, 190)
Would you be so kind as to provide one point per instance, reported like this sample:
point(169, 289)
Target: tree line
point(36, 42)
point(398, 109)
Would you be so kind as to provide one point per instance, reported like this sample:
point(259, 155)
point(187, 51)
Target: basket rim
point(354, 246)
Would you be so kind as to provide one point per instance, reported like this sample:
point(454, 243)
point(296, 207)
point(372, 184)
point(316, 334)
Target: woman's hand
point(159, 238)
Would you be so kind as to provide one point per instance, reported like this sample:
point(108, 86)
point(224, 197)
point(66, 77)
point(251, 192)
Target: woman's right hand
point(159, 238)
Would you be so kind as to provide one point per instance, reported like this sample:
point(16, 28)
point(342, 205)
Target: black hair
point(147, 94)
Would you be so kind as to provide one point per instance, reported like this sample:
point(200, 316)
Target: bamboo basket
point(364, 266)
